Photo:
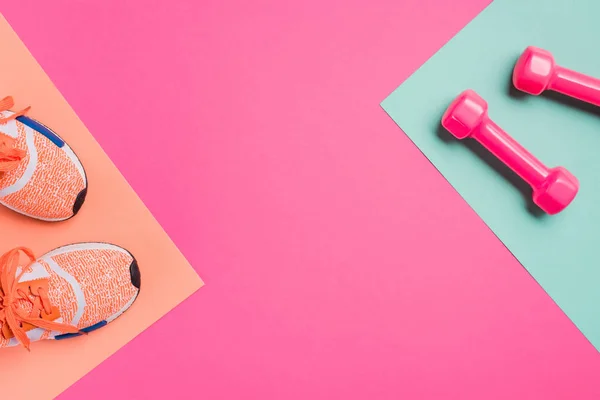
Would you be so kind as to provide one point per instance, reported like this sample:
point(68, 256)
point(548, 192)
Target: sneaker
point(67, 292)
point(40, 176)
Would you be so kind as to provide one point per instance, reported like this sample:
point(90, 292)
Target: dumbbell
point(536, 71)
point(553, 188)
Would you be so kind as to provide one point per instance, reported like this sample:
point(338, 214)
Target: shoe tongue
point(32, 272)
point(25, 305)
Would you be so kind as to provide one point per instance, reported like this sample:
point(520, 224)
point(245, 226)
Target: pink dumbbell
point(553, 188)
point(536, 71)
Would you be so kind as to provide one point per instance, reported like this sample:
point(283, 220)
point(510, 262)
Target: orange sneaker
point(69, 291)
point(40, 176)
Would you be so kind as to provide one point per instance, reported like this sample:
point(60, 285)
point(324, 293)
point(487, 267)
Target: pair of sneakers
point(71, 290)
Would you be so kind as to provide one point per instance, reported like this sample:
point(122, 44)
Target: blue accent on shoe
point(94, 327)
point(33, 124)
point(67, 336)
point(86, 330)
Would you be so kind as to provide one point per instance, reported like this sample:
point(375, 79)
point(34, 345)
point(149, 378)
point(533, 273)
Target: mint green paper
point(561, 252)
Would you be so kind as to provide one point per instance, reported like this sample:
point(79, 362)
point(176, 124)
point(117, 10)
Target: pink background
point(338, 262)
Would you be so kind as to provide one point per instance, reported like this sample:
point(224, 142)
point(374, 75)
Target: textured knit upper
point(88, 283)
point(47, 181)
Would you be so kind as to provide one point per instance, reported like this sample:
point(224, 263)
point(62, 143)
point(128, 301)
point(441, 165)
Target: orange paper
point(112, 213)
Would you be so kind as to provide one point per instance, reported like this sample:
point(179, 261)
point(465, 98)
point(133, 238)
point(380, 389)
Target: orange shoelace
point(13, 318)
point(10, 156)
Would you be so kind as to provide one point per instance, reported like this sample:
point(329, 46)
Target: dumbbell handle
point(575, 84)
point(509, 151)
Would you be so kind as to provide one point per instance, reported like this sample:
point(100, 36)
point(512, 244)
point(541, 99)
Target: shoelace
point(12, 317)
point(10, 156)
